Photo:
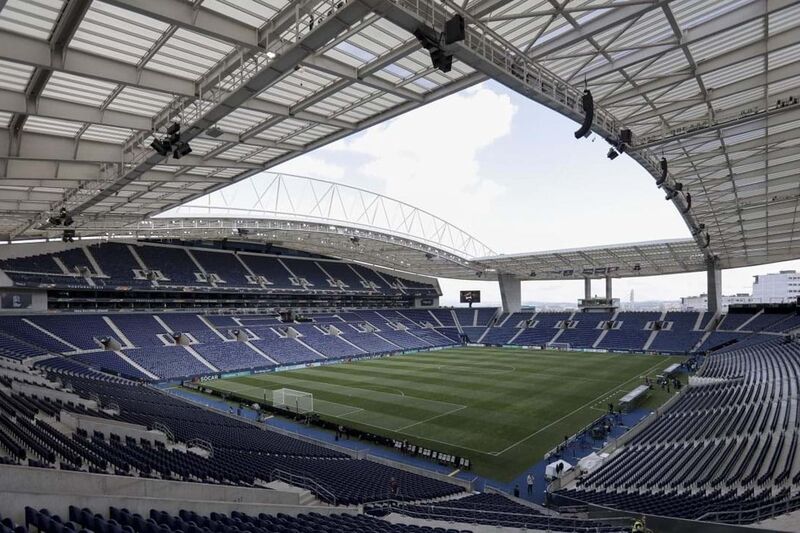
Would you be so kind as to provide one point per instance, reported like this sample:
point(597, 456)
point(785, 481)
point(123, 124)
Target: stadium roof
point(329, 218)
point(710, 85)
point(617, 260)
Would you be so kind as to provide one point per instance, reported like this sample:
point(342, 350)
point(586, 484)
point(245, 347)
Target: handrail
point(529, 521)
point(748, 515)
point(202, 444)
point(305, 482)
point(535, 506)
point(165, 430)
point(577, 434)
point(742, 515)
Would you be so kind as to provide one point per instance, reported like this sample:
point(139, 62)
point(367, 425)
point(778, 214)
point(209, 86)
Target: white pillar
point(510, 292)
point(608, 288)
point(714, 286)
point(587, 288)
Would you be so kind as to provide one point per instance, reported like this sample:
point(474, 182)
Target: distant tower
point(632, 296)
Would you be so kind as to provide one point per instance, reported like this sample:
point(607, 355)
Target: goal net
point(293, 400)
point(558, 345)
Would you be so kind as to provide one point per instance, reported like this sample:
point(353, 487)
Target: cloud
point(429, 158)
point(312, 166)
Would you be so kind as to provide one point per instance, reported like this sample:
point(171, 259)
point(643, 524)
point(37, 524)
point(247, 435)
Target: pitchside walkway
point(574, 451)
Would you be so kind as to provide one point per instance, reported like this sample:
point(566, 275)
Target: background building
point(700, 303)
point(780, 287)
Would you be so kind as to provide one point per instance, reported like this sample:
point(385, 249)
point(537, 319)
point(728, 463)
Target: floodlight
point(181, 149)
point(430, 39)
point(214, 131)
point(612, 154)
point(688, 203)
point(68, 235)
point(162, 147)
point(67, 220)
point(441, 60)
point(173, 128)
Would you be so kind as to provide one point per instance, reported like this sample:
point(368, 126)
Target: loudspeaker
point(587, 103)
point(454, 29)
point(664, 167)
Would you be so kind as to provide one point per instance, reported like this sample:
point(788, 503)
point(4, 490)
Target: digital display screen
point(16, 300)
point(470, 297)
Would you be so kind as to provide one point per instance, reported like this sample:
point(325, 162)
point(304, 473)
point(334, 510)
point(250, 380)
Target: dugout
point(634, 397)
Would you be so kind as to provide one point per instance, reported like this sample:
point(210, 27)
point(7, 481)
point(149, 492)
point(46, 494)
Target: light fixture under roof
point(214, 131)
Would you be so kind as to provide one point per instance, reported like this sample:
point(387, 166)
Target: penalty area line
point(348, 413)
point(457, 409)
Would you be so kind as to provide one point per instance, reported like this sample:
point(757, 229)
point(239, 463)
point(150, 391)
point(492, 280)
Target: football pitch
point(502, 408)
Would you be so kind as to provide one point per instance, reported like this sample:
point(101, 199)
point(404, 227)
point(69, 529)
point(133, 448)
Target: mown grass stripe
point(468, 401)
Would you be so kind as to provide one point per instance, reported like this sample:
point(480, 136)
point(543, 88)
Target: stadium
point(193, 340)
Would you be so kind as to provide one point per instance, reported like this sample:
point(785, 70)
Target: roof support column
point(510, 292)
point(714, 282)
point(587, 288)
point(608, 288)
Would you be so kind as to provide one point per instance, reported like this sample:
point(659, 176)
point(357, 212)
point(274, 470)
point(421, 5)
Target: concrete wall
point(107, 427)
point(9, 251)
point(50, 394)
point(510, 292)
point(56, 490)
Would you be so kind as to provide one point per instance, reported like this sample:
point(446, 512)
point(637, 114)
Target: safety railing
point(305, 482)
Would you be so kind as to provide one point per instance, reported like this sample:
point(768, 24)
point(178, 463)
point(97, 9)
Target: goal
point(292, 400)
point(558, 345)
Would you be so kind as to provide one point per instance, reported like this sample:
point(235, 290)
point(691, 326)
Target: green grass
point(502, 408)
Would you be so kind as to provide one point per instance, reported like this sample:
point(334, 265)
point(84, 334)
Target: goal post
point(292, 400)
point(558, 345)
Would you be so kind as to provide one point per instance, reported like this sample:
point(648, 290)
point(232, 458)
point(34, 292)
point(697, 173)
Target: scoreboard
point(470, 297)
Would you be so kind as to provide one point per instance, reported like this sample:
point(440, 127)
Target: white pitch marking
point(354, 411)
point(587, 404)
point(431, 418)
